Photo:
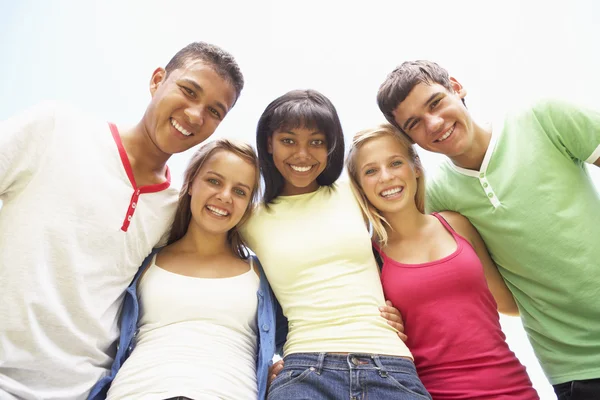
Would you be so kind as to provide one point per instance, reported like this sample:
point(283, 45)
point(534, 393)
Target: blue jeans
point(313, 376)
point(578, 390)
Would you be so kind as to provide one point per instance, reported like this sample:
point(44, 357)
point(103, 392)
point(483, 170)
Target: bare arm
point(502, 295)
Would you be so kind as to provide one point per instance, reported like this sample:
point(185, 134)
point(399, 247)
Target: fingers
point(393, 318)
point(274, 370)
point(402, 336)
point(391, 314)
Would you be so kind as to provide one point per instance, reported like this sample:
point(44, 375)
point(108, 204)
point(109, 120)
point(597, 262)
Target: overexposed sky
point(100, 55)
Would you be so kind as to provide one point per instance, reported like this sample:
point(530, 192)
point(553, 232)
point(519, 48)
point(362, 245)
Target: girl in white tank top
point(197, 335)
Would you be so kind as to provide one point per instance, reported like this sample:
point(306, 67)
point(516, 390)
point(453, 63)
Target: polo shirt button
point(129, 218)
point(485, 185)
point(265, 327)
point(490, 195)
point(481, 175)
point(132, 205)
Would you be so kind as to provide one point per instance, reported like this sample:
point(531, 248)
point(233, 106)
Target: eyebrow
point(429, 100)
point(312, 134)
point(222, 177)
point(388, 159)
point(201, 90)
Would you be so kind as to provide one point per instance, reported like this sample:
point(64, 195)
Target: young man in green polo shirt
point(522, 182)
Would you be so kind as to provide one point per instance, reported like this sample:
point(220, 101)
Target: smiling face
point(300, 156)
point(221, 192)
point(436, 119)
point(386, 174)
point(187, 106)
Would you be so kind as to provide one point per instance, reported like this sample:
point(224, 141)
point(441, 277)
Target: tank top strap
point(446, 225)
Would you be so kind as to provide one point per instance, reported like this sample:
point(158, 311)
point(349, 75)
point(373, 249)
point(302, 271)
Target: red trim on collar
point(137, 191)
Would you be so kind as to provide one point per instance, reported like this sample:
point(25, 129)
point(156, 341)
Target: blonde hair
point(371, 213)
point(183, 214)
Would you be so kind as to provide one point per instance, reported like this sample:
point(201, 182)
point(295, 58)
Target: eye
point(213, 181)
point(188, 91)
point(435, 103)
point(370, 171)
point(239, 192)
point(287, 141)
point(215, 112)
point(317, 142)
point(397, 163)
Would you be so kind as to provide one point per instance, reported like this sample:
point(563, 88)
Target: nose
point(302, 151)
point(195, 115)
point(385, 175)
point(434, 123)
point(225, 195)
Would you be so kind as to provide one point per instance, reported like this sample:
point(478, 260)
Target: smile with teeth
point(445, 135)
point(218, 211)
point(180, 128)
point(299, 168)
point(392, 191)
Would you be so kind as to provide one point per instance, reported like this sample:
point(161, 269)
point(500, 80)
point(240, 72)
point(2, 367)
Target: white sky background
point(100, 55)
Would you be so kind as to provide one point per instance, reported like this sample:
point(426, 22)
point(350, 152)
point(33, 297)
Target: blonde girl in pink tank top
point(438, 273)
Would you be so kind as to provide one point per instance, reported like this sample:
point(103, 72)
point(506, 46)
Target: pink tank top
point(453, 327)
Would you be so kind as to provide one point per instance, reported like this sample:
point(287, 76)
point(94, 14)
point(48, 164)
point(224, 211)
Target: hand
point(274, 370)
point(393, 318)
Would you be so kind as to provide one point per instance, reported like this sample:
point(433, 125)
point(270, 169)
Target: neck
point(147, 160)
point(404, 224)
point(289, 190)
point(473, 157)
point(201, 243)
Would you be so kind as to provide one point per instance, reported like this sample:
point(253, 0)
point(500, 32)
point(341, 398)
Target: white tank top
point(197, 338)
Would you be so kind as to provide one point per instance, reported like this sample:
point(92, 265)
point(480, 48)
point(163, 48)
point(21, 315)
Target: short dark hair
point(403, 79)
point(221, 61)
point(299, 109)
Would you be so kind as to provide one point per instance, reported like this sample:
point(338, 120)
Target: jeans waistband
point(320, 361)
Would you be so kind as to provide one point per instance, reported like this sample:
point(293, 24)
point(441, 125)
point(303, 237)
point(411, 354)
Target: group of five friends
point(510, 223)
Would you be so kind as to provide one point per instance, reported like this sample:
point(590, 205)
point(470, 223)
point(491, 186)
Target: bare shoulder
point(460, 224)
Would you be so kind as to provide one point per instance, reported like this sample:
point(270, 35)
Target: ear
point(270, 145)
point(418, 172)
point(458, 88)
point(158, 77)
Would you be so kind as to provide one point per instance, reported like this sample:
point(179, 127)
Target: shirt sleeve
point(432, 202)
point(24, 139)
point(574, 130)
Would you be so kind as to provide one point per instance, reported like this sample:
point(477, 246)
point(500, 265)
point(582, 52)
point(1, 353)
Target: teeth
point(390, 192)
point(301, 169)
point(180, 128)
point(448, 133)
point(218, 211)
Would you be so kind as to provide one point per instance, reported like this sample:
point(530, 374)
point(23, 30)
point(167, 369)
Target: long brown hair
point(370, 212)
point(183, 214)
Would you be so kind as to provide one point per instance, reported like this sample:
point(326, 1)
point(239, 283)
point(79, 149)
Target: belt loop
point(379, 367)
point(320, 362)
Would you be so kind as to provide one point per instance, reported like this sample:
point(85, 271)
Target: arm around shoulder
point(503, 296)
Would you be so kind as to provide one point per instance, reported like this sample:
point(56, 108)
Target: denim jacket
point(270, 339)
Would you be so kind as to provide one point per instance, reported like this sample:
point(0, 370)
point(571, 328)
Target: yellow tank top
point(316, 252)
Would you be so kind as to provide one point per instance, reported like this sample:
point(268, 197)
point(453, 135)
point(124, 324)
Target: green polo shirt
point(539, 214)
